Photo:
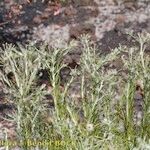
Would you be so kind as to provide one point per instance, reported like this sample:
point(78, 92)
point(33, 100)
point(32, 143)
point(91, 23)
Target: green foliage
point(106, 97)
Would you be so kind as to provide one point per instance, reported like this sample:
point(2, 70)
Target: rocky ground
point(106, 21)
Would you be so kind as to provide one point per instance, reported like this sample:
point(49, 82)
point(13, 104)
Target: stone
point(70, 11)
point(37, 19)
point(80, 29)
point(120, 19)
point(83, 3)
